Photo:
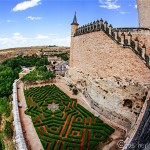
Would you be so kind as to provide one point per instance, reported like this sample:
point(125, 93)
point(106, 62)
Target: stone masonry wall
point(109, 74)
point(98, 55)
point(143, 12)
point(142, 34)
point(19, 140)
point(144, 38)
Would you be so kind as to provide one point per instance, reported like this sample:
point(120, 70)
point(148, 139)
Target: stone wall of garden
point(19, 140)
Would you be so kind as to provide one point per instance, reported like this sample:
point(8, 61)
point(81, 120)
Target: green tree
point(8, 130)
point(75, 91)
point(4, 105)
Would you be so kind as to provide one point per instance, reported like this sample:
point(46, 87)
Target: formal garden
point(61, 123)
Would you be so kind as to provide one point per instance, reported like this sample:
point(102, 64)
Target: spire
point(74, 20)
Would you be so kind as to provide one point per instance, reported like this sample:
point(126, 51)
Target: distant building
point(54, 59)
point(25, 70)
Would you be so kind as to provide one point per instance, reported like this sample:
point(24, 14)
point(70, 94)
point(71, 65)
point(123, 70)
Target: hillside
point(14, 52)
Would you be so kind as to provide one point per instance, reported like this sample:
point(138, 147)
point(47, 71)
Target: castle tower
point(74, 25)
point(143, 13)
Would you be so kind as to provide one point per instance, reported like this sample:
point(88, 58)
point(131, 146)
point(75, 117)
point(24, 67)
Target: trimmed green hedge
point(83, 121)
point(44, 144)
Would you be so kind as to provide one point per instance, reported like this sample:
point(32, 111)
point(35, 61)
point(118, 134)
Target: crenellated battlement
point(132, 29)
point(122, 36)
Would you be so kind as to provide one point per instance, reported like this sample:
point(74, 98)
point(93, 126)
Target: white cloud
point(109, 4)
point(42, 36)
point(17, 37)
point(4, 40)
point(123, 12)
point(135, 6)
point(8, 21)
point(16, 34)
point(14, 39)
point(26, 4)
point(62, 41)
point(18, 40)
point(34, 18)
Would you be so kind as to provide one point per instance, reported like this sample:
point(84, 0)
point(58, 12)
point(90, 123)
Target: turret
point(74, 25)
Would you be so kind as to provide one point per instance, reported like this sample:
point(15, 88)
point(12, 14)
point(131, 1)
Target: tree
point(4, 104)
point(75, 91)
point(8, 130)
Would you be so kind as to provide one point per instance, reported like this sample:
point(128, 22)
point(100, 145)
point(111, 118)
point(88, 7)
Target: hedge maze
point(71, 127)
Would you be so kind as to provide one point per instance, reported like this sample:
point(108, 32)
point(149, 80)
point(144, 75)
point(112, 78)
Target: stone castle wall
point(143, 12)
point(19, 140)
point(143, 35)
point(98, 55)
point(108, 73)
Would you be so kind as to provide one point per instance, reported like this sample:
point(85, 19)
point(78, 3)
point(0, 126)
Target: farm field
point(61, 123)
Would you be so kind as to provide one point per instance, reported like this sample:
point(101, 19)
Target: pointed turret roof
point(74, 20)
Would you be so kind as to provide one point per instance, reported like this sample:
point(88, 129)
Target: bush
point(4, 106)
point(58, 145)
point(75, 91)
point(44, 144)
point(2, 146)
point(93, 144)
point(85, 137)
point(8, 130)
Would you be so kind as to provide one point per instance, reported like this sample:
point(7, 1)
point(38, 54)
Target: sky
point(47, 22)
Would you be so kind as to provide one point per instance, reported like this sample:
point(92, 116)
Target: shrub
point(8, 130)
point(44, 144)
point(2, 145)
point(58, 145)
point(75, 91)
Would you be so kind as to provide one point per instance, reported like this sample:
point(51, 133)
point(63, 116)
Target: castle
point(111, 67)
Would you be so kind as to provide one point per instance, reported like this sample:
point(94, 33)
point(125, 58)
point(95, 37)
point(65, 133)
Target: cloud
point(16, 34)
point(26, 4)
point(123, 12)
point(62, 41)
point(18, 40)
point(14, 39)
point(4, 40)
point(34, 18)
point(42, 36)
point(8, 21)
point(17, 37)
point(135, 6)
point(109, 4)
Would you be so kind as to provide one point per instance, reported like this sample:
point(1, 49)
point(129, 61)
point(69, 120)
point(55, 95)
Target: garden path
point(30, 134)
